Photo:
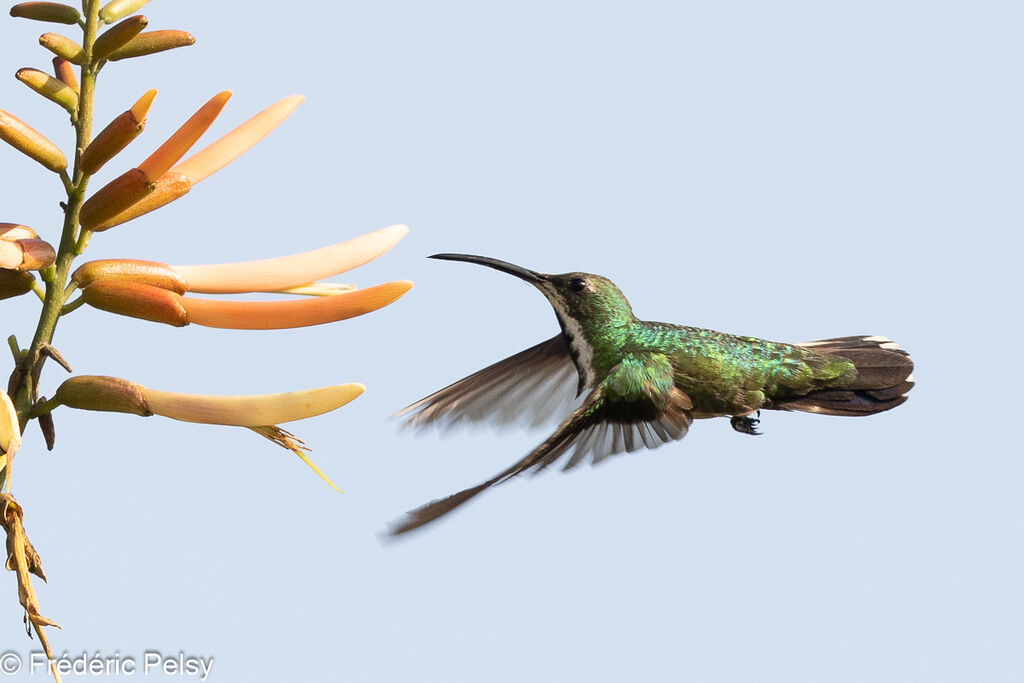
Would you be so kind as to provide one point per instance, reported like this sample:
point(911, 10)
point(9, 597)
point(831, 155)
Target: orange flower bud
point(64, 71)
point(136, 301)
point(115, 137)
point(171, 186)
point(150, 42)
point(176, 146)
point(114, 197)
point(15, 283)
point(97, 392)
point(133, 270)
point(49, 87)
point(117, 36)
point(46, 11)
point(116, 9)
point(27, 140)
point(63, 47)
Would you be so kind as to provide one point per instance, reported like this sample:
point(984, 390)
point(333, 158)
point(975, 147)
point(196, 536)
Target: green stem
point(25, 378)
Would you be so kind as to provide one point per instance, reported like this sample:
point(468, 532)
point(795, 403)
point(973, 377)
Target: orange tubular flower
point(178, 180)
point(160, 305)
point(133, 185)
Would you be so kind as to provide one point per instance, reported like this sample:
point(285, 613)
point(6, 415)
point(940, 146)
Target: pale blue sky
point(793, 171)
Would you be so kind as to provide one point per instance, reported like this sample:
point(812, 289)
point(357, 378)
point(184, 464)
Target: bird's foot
point(744, 424)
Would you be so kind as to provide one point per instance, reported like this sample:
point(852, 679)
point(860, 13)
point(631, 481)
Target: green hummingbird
point(627, 384)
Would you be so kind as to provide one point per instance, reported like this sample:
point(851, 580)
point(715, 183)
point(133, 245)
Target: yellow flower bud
point(115, 137)
point(50, 88)
point(133, 270)
point(29, 141)
point(46, 11)
point(151, 42)
point(116, 9)
point(137, 301)
point(117, 36)
point(63, 47)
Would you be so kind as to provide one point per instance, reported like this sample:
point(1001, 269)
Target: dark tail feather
point(414, 519)
point(884, 376)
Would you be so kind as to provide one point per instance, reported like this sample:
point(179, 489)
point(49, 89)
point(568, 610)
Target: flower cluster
point(146, 289)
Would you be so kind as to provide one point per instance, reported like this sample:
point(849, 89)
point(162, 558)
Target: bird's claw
point(744, 424)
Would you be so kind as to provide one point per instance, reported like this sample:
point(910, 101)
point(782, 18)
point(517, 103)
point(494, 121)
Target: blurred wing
point(587, 432)
point(534, 386)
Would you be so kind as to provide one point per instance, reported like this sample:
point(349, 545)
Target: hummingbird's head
point(579, 299)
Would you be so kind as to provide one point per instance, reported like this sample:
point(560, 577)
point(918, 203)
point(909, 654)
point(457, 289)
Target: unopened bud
point(97, 392)
point(50, 88)
point(132, 270)
point(116, 9)
point(117, 36)
point(115, 137)
point(31, 142)
point(15, 283)
point(63, 47)
point(65, 72)
point(136, 301)
point(151, 42)
point(46, 11)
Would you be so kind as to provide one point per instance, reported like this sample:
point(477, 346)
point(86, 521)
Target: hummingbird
point(627, 384)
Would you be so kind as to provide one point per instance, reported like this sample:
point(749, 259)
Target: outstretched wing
point(533, 386)
point(599, 428)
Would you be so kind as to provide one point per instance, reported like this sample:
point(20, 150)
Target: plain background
point(793, 170)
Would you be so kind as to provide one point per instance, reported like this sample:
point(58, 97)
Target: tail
point(884, 376)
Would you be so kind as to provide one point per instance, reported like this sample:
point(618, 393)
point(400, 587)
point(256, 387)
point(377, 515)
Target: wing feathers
point(588, 432)
point(535, 386)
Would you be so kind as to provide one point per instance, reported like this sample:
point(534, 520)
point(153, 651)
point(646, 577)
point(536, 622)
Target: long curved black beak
point(530, 276)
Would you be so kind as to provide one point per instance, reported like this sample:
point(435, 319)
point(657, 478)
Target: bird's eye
point(577, 284)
